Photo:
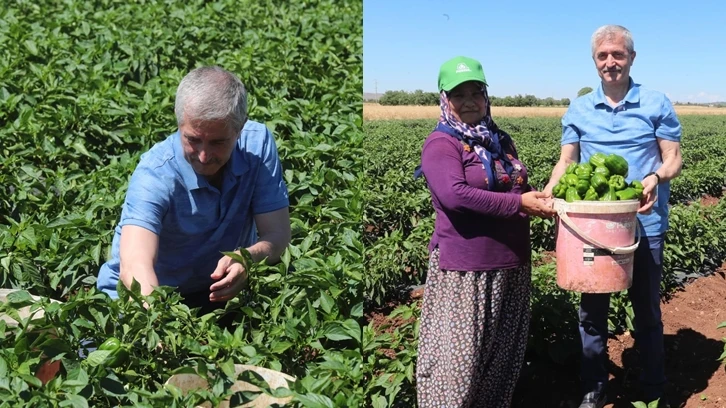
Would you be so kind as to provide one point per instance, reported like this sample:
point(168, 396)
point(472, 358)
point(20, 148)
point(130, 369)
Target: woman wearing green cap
point(475, 316)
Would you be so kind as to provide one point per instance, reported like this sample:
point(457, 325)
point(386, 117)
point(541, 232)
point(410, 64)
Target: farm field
point(374, 111)
point(85, 89)
point(398, 220)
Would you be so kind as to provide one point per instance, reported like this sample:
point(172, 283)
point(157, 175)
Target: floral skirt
point(473, 336)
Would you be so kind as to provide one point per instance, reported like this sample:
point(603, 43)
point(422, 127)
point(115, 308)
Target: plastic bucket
point(594, 245)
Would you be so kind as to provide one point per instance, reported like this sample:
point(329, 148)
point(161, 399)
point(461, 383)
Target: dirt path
point(692, 342)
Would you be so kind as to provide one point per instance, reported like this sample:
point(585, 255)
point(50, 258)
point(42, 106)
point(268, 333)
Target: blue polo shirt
point(630, 130)
point(193, 219)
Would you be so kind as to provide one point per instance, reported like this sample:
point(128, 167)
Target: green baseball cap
point(458, 70)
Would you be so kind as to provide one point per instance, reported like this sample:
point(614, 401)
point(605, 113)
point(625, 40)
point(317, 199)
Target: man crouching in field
point(214, 185)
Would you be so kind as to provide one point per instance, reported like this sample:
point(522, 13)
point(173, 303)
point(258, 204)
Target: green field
point(399, 220)
point(85, 88)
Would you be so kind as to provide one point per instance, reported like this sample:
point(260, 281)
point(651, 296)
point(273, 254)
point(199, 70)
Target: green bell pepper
point(609, 195)
point(118, 353)
point(598, 159)
point(599, 182)
point(571, 180)
point(559, 190)
point(602, 170)
point(582, 187)
point(638, 187)
point(571, 168)
point(584, 171)
point(617, 164)
point(591, 194)
point(627, 194)
point(571, 195)
point(617, 182)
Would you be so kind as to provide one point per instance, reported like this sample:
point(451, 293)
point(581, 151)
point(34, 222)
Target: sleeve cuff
point(143, 224)
point(271, 207)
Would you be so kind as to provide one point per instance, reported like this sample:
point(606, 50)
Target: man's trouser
point(644, 295)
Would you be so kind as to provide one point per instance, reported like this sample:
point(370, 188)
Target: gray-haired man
point(214, 185)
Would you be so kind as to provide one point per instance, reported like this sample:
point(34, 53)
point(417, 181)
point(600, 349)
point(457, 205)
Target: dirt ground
point(692, 342)
point(374, 111)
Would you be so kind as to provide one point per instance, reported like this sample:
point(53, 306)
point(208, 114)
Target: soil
point(693, 343)
point(708, 201)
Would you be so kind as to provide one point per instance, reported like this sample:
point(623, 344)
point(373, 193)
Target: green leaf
point(312, 314)
point(314, 400)
point(31, 380)
point(81, 148)
point(20, 296)
point(31, 47)
point(75, 401)
point(326, 302)
point(357, 310)
point(227, 367)
point(353, 329)
point(337, 333)
point(379, 402)
point(279, 347)
point(3, 368)
point(97, 357)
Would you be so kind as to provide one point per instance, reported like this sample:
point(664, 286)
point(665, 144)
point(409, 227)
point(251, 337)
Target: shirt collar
point(236, 162)
point(632, 96)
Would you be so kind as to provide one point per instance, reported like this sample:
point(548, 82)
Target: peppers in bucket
point(599, 179)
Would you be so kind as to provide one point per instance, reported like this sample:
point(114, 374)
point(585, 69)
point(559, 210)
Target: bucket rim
point(598, 207)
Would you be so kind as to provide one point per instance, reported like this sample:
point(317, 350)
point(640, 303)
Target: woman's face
point(468, 103)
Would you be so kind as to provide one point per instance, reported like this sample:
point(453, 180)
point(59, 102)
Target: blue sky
point(543, 47)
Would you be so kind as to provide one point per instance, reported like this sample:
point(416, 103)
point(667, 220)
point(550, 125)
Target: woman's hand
point(537, 203)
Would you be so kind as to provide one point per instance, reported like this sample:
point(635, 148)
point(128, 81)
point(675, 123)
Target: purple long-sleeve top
point(476, 229)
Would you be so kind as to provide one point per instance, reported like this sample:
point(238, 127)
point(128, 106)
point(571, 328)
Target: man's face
point(207, 145)
point(613, 61)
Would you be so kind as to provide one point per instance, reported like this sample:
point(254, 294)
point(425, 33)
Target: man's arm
point(670, 153)
point(570, 153)
point(138, 248)
point(273, 229)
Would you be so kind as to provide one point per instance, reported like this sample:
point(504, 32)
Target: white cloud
point(704, 97)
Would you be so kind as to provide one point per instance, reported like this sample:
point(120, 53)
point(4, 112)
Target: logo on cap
point(462, 68)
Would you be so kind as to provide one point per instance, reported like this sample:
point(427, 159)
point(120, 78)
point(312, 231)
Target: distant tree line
point(420, 97)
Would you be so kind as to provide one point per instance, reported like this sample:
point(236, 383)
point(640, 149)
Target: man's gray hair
point(211, 94)
point(610, 32)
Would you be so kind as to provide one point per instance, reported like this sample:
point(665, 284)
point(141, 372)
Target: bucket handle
point(614, 250)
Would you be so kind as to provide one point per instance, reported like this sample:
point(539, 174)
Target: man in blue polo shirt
point(639, 124)
point(214, 185)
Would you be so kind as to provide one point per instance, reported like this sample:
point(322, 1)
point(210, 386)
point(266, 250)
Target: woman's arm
point(444, 171)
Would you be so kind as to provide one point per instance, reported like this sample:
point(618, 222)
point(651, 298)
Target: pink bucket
point(594, 244)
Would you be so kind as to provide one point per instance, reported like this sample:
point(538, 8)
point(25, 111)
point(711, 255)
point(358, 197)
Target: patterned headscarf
point(494, 147)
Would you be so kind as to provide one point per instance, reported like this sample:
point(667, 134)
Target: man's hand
point(231, 278)
point(548, 189)
point(650, 193)
point(569, 153)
